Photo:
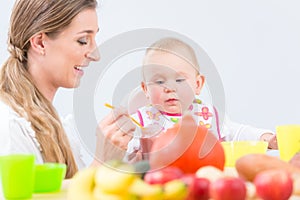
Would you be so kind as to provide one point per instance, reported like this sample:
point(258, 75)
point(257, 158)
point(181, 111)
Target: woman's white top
point(17, 136)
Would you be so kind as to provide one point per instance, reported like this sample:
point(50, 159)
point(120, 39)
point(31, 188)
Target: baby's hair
point(177, 47)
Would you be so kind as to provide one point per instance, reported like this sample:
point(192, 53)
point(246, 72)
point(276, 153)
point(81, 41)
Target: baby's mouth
point(171, 100)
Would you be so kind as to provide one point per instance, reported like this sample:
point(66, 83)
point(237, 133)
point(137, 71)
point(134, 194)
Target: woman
point(50, 42)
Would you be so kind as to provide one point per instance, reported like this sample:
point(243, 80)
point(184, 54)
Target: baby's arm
point(235, 131)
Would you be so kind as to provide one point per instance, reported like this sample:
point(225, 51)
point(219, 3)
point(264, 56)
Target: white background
point(255, 46)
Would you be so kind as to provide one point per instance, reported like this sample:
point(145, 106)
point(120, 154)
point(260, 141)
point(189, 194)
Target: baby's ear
point(145, 89)
point(200, 80)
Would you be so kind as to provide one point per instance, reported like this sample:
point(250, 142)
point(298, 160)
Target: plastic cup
point(236, 149)
point(49, 177)
point(17, 175)
point(288, 140)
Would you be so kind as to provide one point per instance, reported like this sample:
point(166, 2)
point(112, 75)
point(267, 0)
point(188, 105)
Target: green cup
point(17, 175)
point(49, 177)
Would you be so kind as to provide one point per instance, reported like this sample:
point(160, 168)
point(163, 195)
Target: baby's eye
point(159, 82)
point(179, 80)
point(82, 41)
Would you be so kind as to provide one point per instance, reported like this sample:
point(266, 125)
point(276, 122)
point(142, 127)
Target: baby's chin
point(172, 110)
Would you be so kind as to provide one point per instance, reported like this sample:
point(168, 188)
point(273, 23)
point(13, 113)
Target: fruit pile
point(119, 181)
point(187, 162)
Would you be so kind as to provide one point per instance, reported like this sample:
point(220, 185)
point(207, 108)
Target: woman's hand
point(117, 127)
point(113, 135)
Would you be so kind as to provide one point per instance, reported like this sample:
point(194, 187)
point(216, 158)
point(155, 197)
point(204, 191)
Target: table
point(61, 195)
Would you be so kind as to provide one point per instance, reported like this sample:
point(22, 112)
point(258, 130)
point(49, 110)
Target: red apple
point(228, 188)
point(274, 184)
point(163, 175)
point(198, 187)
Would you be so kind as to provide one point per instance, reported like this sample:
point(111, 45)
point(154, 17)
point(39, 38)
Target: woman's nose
point(94, 55)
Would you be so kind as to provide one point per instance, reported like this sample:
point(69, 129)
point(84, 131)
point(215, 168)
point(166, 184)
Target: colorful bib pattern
point(149, 115)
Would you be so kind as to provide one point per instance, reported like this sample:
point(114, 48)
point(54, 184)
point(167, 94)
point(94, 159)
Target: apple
point(210, 172)
point(274, 184)
point(228, 188)
point(163, 175)
point(198, 187)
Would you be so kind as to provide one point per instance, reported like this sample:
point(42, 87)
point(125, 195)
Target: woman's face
point(69, 53)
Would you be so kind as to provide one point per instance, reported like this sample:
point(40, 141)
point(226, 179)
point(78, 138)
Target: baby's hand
point(295, 160)
point(271, 139)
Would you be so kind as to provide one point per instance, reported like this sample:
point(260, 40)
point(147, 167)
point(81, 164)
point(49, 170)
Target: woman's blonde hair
point(17, 89)
point(174, 46)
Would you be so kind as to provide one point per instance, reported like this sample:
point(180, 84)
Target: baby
point(171, 82)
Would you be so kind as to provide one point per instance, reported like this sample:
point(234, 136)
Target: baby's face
point(170, 82)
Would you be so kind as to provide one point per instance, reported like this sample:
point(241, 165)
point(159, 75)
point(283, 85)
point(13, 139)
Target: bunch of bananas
point(120, 181)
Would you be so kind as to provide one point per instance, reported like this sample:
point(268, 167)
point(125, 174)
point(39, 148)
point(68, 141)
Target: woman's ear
point(200, 80)
point(37, 43)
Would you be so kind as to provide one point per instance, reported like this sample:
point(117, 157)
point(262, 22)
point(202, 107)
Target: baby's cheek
point(187, 97)
point(187, 94)
point(155, 96)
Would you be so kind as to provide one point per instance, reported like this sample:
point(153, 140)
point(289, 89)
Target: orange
point(186, 146)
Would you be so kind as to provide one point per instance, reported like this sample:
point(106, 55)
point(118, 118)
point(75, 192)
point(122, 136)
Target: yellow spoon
point(136, 122)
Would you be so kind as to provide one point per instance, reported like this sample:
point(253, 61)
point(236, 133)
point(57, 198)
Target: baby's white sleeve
point(238, 132)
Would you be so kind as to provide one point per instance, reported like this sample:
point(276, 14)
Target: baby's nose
point(169, 87)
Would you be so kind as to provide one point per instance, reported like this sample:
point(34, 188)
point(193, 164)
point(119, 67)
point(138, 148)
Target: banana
point(82, 185)
point(175, 189)
point(114, 180)
point(99, 194)
point(145, 191)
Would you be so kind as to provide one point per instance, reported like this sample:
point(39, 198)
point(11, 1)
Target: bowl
point(49, 177)
point(235, 149)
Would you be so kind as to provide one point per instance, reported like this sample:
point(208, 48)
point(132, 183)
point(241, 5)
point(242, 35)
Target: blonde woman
point(50, 42)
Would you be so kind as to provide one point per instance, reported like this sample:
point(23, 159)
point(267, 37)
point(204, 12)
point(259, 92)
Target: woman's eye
point(82, 41)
